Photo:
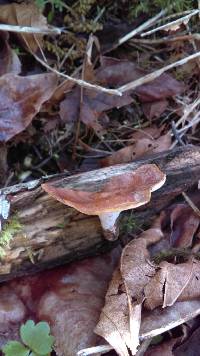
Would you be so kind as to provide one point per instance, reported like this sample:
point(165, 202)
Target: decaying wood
point(53, 233)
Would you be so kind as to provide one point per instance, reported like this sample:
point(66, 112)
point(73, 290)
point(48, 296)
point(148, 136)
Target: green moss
point(12, 227)
point(181, 255)
point(151, 7)
point(128, 223)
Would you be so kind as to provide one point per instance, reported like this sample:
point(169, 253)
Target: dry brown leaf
point(113, 324)
point(167, 285)
point(25, 15)
point(21, 99)
point(151, 132)
point(120, 319)
point(9, 61)
point(173, 283)
point(142, 147)
point(136, 273)
point(159, 320)
point(184, 224)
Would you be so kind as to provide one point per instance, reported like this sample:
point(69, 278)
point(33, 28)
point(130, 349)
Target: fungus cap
point(122, 192)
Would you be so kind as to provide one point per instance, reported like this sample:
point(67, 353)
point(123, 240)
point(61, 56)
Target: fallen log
point(52, 233)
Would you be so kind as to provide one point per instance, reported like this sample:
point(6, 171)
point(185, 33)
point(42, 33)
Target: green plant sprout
point(129, 223)
point(55, 4)
point(12, 227)
point(36, 341)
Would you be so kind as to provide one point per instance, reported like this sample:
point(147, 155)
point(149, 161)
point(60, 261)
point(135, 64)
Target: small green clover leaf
point(37, 337)
point(15, 348)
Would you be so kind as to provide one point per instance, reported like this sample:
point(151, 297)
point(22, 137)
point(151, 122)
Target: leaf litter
point(112, 73)
point(144, 298)
point(147, 286)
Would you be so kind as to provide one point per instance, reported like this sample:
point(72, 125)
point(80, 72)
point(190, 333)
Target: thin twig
point(67, 54)
point(191, 204)
point(80, 82)
point(192, 41)
point(173, 15)
point(31, 29)
point(151, 76)
point(193, 36)
point(182, 131)
point(95, 350)
point(142, 27)
point(176, 134)
point(167, 26)
point(188, 111)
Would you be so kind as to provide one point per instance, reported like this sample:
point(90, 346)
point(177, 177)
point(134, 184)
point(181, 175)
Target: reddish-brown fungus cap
point(125, 191)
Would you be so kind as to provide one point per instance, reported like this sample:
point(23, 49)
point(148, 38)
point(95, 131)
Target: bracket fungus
point(107, 199)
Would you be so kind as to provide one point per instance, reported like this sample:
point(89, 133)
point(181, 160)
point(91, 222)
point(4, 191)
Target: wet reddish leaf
point(12, 314)
point(119, 72)
point(23, 15)
point(142, 147)
point(9, 61)
point(161, 88)
point(21, 99)
point(70, 298)
point(190, 347)
point(184, 224)
point(91, 107)
point(164, 349)
point(112, 73)
point(73, 305)
point(154, 109)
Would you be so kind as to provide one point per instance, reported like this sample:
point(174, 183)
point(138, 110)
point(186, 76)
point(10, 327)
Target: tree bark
point(53, 233)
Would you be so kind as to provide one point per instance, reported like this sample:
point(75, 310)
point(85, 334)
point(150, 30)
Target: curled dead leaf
point(141, 148)
point(25, 15)
point(21, 99)
point(120, 319)
point(184, 224)
point(113, 324)
point(9, 61)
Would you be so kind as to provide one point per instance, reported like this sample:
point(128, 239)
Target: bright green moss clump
point(12, 227)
